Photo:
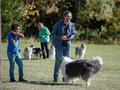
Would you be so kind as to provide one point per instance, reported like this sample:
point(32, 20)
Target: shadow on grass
point(50, 83)
point(44, 83)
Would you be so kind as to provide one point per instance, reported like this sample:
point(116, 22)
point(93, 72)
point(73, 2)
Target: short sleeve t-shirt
point(13, 48)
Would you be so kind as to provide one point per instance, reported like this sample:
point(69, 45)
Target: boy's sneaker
point(12, 80)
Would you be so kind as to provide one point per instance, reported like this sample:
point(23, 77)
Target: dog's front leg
point(88, 82)
point(75, 80)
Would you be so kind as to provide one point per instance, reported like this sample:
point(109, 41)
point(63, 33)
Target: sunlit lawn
point(39, 72)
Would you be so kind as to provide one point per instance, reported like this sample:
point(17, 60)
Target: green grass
point(39, 72)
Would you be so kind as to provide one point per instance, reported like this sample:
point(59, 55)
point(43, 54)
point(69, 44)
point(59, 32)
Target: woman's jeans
point(45, 50)
point(15, 57)
point(65, 51)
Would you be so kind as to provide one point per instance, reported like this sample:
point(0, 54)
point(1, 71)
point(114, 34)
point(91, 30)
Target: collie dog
point(72, 70)
point(80, 51)
point(27, 53)
point(52, 52)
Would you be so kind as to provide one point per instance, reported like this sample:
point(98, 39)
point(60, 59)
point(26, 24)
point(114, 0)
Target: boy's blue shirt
point(13, 48)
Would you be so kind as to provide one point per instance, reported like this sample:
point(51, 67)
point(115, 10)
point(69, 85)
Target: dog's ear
point(87, 66)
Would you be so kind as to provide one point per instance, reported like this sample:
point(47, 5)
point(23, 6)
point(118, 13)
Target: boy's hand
point(14, 32)
point(20, 34)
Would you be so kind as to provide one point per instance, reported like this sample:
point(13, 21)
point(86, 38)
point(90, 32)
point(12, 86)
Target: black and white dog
point(37, 52)
point(80, 51)
point(32, 50)
point(72, 70)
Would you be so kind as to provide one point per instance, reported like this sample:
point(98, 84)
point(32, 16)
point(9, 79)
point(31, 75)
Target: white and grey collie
point(52, 52)
point(27, 53)
point(80, 51)
point(72, 70)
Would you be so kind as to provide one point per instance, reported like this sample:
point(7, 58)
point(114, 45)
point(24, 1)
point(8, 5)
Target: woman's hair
point(41, 24)
point(66, 12)
point(14, 26)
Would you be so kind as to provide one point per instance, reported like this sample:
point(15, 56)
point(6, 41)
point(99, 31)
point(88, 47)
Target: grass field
point(39, 72)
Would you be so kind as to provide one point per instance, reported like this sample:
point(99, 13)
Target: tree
point(10, 13)
point(96, 21)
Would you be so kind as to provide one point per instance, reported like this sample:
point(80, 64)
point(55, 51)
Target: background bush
point(97, 21)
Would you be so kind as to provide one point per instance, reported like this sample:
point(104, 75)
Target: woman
point(44, 36)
